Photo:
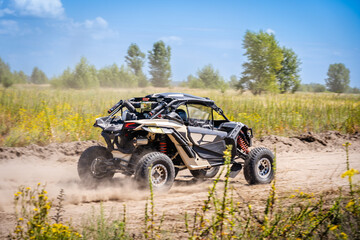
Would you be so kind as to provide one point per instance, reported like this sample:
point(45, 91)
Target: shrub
point(32, 209)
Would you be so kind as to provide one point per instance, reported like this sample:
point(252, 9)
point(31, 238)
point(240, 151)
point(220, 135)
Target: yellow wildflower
point(350, 173)
point(343, 235)
point(333, 228)
point(350, 204)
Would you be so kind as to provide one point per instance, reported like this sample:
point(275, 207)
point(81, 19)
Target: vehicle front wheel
point(162, 171)
point(92, 167)
point(202, 173)
point(258, 168)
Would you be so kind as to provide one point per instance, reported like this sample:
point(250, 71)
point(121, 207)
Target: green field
point(40, 115)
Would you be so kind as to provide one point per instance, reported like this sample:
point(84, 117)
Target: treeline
point(130, 75)
point(318, 88)
point(269, 68)
point(86, 76)
point(8, 77)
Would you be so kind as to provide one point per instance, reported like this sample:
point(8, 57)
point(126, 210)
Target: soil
point(311, 163)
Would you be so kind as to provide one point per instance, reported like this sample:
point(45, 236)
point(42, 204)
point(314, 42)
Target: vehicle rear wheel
point(92, 166)
point(202, 173)
point(258, 168)
point(162, 171)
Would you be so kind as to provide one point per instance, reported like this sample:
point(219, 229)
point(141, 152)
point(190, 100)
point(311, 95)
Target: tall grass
point(42, 116)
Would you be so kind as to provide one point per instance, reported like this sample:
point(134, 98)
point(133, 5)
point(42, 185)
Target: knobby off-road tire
point(162, 171)
point(210, 173)
point(89, 165)
point(258, 168)
point(136, 157)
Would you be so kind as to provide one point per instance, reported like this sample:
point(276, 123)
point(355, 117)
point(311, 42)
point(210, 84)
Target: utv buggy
point(170, 132)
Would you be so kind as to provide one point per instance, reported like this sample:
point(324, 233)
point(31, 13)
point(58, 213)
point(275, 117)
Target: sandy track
point(311, 163)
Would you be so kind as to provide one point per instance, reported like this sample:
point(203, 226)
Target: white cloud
point(40, 8)
point(8, 27)
point(5, 11)
point(172, 39)
point(98, 22)
point(270, 31)
point(97, 28)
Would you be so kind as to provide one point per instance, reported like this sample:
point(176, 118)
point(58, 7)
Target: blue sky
point(54, 34)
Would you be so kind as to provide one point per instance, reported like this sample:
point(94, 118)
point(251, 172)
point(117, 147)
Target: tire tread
point(141, 173)
point(86, 159)
point(249, 165)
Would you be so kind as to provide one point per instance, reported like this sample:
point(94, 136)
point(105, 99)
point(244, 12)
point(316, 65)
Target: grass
point(97, 226)
point(39, 115)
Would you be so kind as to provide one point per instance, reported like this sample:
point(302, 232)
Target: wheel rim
point(97, 168)
point(263, 168)
point(159, 175)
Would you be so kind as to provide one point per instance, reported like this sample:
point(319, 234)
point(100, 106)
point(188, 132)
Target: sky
point(55, 34)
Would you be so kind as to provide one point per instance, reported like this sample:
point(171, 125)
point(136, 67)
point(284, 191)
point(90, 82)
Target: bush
point(32, 209)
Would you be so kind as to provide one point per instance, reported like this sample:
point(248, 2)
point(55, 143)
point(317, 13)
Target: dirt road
point(308, 163)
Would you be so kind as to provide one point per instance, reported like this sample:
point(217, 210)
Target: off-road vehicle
point(170, 132)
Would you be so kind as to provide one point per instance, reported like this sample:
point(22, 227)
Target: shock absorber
point(163, 144)
point(242, 145)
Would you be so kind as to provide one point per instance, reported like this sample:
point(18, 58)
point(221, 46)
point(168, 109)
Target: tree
point(128, 78)
point(353, 90)
point(20, 77)
point(288, 76)
point(135, 60)
point(160, 69)
point(264, 60)
point(113, 76)
point(64, 80)
point(194, 82)
point(338, 78)
point(8, 81)
point(109, 76)
point(233, 81)
point(207, 77)
point(210, 77)
point(312, 87)
point(84, 76)
point(5, 73)
point(38, 76)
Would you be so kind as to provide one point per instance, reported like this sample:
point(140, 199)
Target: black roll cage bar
point(159, 105)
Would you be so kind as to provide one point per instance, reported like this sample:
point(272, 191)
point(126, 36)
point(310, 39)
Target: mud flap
point(235, 169)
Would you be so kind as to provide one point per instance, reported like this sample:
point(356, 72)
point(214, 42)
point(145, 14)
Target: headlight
point(155, 130)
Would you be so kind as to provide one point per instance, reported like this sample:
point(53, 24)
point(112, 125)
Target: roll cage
point(159, 105)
